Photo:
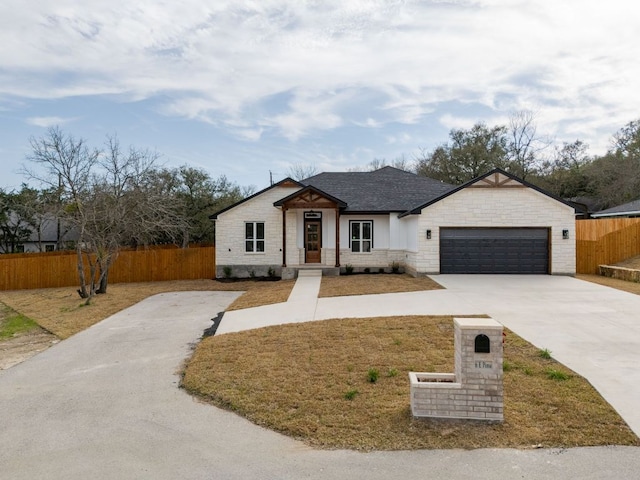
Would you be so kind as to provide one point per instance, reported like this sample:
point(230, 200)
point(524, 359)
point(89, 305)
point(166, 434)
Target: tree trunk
point(104, 278)
point(82, 291)
point(92, 277)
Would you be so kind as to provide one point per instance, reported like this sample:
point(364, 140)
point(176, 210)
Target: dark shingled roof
point(385, 190)
point(631, 208)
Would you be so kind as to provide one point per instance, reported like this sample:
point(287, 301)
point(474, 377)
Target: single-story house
point(495, 223)
point(626, 210)
point(48, 234)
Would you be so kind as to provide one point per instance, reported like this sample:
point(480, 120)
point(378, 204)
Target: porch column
point(284, 236)
point(337, 237)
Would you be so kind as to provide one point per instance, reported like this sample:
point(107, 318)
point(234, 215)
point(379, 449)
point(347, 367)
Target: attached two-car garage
point(494, 250)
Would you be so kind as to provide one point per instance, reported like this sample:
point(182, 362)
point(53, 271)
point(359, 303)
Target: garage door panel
point(487, 250)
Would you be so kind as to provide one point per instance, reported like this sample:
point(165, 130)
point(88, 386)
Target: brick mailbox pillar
point(475, 390)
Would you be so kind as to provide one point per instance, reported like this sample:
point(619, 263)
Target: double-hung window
point(254, 237)
point(361, 236)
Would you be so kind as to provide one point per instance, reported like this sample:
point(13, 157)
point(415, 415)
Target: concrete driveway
point(105, 404)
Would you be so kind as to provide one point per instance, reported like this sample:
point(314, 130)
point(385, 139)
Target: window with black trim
point(361, 232)
point(254, 237)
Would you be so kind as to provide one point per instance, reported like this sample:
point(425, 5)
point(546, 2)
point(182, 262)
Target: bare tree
point(300, 171)
point(125, 208)
point(106, 196)
point(66, 163)
point(401, 162)
point(525, 146)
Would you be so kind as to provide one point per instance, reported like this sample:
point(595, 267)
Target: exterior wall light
point(565, 234)
point(428, 234)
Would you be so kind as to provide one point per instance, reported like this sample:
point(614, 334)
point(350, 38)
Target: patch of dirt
point(22, 347)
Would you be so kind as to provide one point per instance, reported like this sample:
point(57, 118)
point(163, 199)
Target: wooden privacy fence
point(59, 269)
point(605, 241)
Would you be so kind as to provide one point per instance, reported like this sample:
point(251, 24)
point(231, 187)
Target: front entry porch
point(310, 232)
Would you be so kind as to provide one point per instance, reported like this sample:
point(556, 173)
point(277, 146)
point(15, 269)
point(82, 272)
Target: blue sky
point(242, 88)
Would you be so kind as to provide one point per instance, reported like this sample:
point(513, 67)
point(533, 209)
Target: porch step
point(309, 273)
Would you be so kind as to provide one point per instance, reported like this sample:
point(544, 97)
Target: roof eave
point(214, 216)
point(419, 208)
point(306, 188)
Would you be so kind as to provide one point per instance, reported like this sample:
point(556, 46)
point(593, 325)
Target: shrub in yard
point(373, 374)
point(348, 269)
point(350, 394)
point(545, 353)
point(554, 374)
point(227, 271)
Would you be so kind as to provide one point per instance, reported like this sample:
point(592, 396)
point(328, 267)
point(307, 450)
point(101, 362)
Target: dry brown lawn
point(62, 312)
point(363, 284)
point(295, 379)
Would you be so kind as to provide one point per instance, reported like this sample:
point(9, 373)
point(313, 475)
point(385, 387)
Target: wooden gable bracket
point(497, 180)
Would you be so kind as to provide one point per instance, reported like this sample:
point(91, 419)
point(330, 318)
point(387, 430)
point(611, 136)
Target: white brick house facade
point(495, 201)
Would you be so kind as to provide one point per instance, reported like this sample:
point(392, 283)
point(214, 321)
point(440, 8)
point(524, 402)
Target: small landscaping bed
point(343, 383)
point(367, 284)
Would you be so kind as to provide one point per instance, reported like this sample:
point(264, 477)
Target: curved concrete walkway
point(105, 404)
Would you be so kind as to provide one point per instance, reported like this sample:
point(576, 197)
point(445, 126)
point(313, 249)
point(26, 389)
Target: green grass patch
point(554, 374)
point(373, 374)
point(12, 324)
point(545, 353)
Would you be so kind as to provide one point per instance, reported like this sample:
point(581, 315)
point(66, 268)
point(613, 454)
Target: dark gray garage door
point(494, 250)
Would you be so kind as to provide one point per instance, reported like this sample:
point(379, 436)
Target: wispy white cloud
point(46, 122)
point(222, 62)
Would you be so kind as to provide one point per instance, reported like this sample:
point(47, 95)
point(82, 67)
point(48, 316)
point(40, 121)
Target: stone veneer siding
point(496, 207)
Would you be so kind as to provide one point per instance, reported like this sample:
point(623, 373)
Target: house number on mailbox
point(482, 364)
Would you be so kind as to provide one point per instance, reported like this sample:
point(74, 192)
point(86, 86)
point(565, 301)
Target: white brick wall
point(230, 230)
point(497, 207)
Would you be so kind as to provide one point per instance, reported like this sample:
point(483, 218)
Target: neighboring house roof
point(589, 204)
point(496, 171)
point(49, 226)
point(48, 230)
point(626, 209)
point(381, 191)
